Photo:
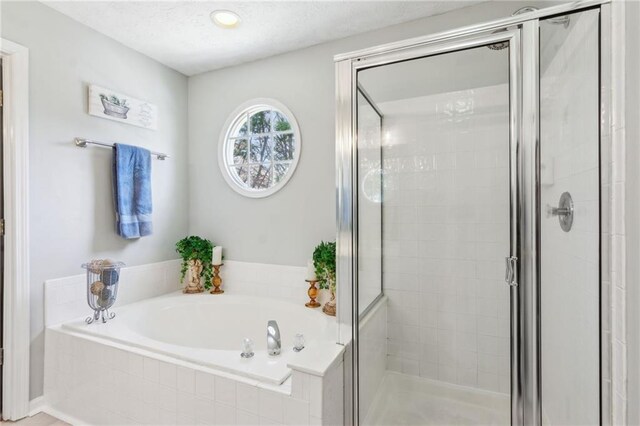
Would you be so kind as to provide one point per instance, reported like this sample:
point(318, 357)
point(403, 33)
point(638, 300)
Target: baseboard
point(36, 405)
point(62, 416)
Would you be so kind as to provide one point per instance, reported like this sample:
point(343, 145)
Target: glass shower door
point(434, 184)
point(456, 152)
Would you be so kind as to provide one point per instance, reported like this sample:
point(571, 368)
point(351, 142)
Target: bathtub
point(208, 330)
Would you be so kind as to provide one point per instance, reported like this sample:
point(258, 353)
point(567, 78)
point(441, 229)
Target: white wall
point(285, 227)
point(72, 218)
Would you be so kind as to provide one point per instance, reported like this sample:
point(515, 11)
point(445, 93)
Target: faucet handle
point(247, 348)
point(298, 342)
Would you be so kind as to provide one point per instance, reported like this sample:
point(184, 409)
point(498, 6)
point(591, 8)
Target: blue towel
point(132, 190)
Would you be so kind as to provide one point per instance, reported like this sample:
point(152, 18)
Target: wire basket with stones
point(103, 276)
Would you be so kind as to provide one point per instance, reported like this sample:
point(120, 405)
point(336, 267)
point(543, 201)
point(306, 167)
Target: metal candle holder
point(216, 281)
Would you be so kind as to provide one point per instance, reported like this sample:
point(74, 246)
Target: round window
point(259, 148)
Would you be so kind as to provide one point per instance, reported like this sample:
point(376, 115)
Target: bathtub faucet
point(273, 338)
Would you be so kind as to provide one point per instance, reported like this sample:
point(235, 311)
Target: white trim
point(36, 405)
point(469, 30)
point(233, 117)
point(60, 415)
point(15, 383)
point(618, 232)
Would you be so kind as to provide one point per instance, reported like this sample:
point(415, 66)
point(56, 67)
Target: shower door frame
point(522, 32)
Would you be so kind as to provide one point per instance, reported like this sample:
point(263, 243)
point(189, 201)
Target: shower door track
point(522, 33)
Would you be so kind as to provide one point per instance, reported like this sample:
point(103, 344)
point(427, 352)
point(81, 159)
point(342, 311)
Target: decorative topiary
point(196, 248)
point(324, 261)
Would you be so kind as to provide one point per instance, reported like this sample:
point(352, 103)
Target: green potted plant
point(324, 262)
point(196, 255)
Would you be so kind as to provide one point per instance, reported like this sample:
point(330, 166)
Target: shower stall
point(471, 168)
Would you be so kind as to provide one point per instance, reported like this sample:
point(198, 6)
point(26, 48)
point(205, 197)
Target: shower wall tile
point(570, 279)
point(446, 232)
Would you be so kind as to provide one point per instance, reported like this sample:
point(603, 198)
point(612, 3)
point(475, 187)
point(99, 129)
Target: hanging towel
point(132, 190)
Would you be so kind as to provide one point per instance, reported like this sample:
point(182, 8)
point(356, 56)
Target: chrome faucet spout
point(273, 338)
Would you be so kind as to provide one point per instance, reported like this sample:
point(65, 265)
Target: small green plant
point(324, 261)
point(196, 248)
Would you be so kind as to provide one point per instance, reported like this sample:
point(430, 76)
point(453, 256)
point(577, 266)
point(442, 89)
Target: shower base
point(408, 400)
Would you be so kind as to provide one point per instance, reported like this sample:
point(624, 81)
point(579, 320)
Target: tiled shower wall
point(446, 233)
point(570, 261)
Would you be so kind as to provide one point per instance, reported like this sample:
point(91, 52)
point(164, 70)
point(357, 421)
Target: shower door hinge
point(1, 227)
point(511, 270)
point(1, 98)
point(1, 356)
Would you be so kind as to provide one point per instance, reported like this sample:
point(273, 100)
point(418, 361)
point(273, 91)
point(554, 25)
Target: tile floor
point(409, 400)
point(40, 419)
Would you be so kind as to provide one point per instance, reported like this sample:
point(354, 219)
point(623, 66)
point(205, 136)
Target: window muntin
point(260, 149)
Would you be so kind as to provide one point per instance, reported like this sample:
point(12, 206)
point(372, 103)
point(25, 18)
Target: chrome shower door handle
point(511, 265)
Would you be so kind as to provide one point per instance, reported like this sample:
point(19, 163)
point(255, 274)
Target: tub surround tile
point(135, 365)
point(186, 405)
point(186, 380)
point(168, 398)
point(224, 415)
point(300, 386)
point(267, 422)
point(225, 391)
point(315, 396)
point(65, 299)
point(270, 405)
point(204, 385)
point(168, 374)
point(296, 411)
point(151, 370)
point(244, 418)
point(279, 281)
point(152, 391)
point(205, 411)
point(247, 398)
point(151, 388)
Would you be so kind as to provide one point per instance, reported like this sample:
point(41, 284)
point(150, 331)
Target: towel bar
point(82, 143)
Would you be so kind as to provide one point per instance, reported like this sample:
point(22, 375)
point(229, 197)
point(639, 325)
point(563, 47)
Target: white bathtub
point(209, 329)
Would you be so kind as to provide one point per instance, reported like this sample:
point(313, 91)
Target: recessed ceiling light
point(225, 18)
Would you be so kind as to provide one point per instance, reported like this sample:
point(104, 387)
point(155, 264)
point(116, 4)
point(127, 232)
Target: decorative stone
point(110, 276)
point(95, 266)
point(105, 299)
point(97, 287)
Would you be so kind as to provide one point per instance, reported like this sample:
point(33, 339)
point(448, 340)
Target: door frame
point(526, 402)
point(348, 171)
point(16, 330)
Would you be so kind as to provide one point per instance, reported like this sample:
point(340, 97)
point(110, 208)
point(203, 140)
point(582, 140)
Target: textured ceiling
point(181, 35)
